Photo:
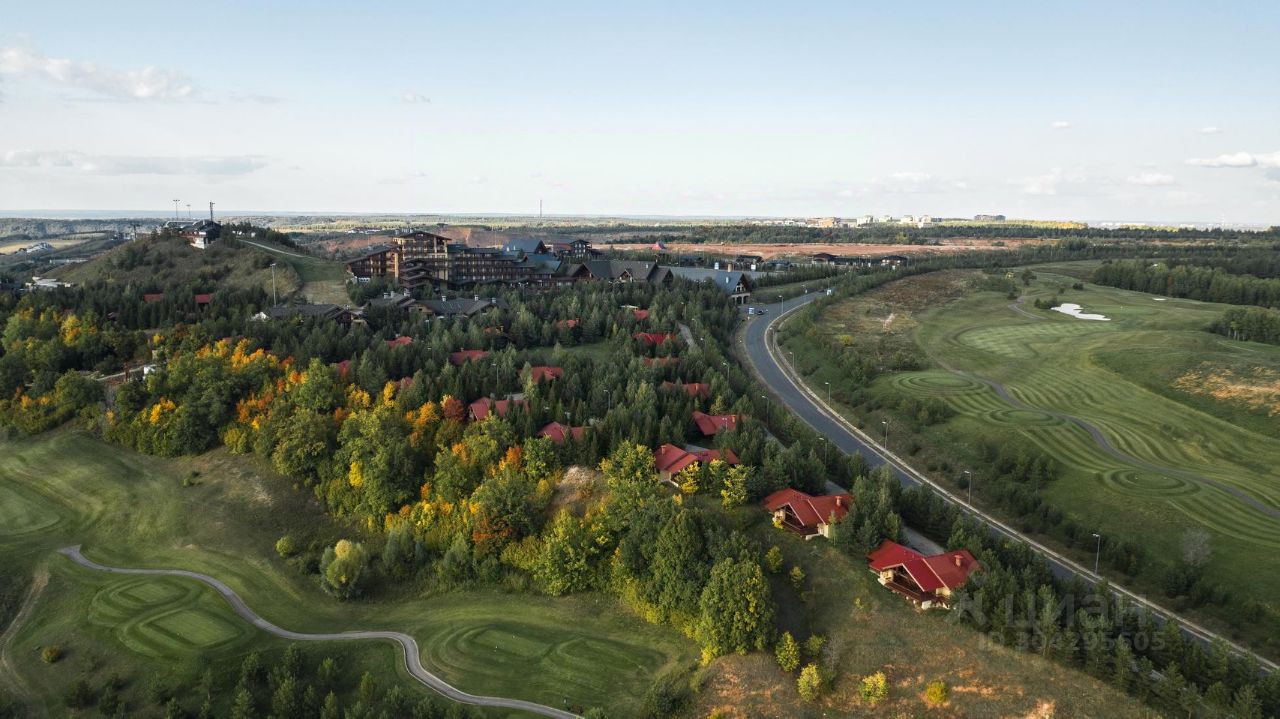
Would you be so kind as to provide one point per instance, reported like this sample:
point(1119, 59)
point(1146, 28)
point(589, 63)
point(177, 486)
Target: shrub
point(814, 644)
point(797, 577)
point(810, 682)
point(286, 546)
point(787, 652)
point(937, 693)
point(773, 559)
point(874, 688)
point(51, 654)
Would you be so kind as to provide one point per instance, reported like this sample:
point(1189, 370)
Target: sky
point(1135, 111)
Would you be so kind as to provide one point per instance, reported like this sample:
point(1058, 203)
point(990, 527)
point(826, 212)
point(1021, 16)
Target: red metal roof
point(461, 357)
point(710, 424)
point(153, 297)
point(204, 299)
point(654, 338)
point(480, 409)
point(641, 314)
point(558, 433)
point(707, 456)
point(400, 341)
point(541, 373)
point(670, 458)
point(949, 569)
point(808, 510)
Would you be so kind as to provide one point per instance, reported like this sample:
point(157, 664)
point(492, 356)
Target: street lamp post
point(968, 481)
point(609, 397)
point(274, 300)
point(828, 384)
point(1097, 552)
point(885, 422)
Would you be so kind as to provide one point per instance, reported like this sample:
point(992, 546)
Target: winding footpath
point(408, 645)
point(758, 343)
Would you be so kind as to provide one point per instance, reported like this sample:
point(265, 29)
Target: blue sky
point(1153, 111)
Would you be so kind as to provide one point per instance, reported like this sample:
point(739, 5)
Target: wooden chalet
point(652, 339)
point(928, 582)
point(805, 514)
point(482, 409)
point(670, 460)
point(461, 357)
point(542, 373)
point(560, 433)
point(711, 424)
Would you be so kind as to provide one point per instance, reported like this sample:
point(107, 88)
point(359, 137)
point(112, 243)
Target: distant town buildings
point(989, 218)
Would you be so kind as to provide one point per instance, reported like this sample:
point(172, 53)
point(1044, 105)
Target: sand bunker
point(1070, 308)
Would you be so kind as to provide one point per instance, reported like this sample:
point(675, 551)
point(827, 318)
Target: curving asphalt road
point(759, 347)
point(408, 645)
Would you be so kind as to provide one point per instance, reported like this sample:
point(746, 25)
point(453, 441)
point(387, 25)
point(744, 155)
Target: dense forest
point(1251, 324)
point(907, 235)
point(1204, 283)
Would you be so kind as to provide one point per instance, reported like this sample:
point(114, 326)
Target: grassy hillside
point(322, 280)
point(1190, 418)
point(133, 511)
point(159, 262)
point(869, 629)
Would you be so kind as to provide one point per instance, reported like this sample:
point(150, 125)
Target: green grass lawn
point(1140, 378)
point(133, 511)
point(322, 280)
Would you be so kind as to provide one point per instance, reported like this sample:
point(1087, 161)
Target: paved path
point(759, 346)
point(408, 645)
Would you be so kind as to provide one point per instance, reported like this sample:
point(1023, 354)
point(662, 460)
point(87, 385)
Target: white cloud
point(414, 98)
point(1238, 159)
point(1210, 130)
point(1059, 181)
point(147, 83)
point(131, 165)
point(914, 183)
point(1060, 125)
point(1151, 179)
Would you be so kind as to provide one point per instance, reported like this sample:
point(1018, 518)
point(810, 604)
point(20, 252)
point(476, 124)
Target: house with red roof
point(640, 314)
point(540, 373)
point(805, 514)
point(400, 341)
point(652, 339)
point(203, 300)
point(482, 409)
point(152, 297)
point(559, 433)
point(567, 324)
point(927, 581)
point(671, 460)
point(711, 424)
point(461, 357)
point(697, 390)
